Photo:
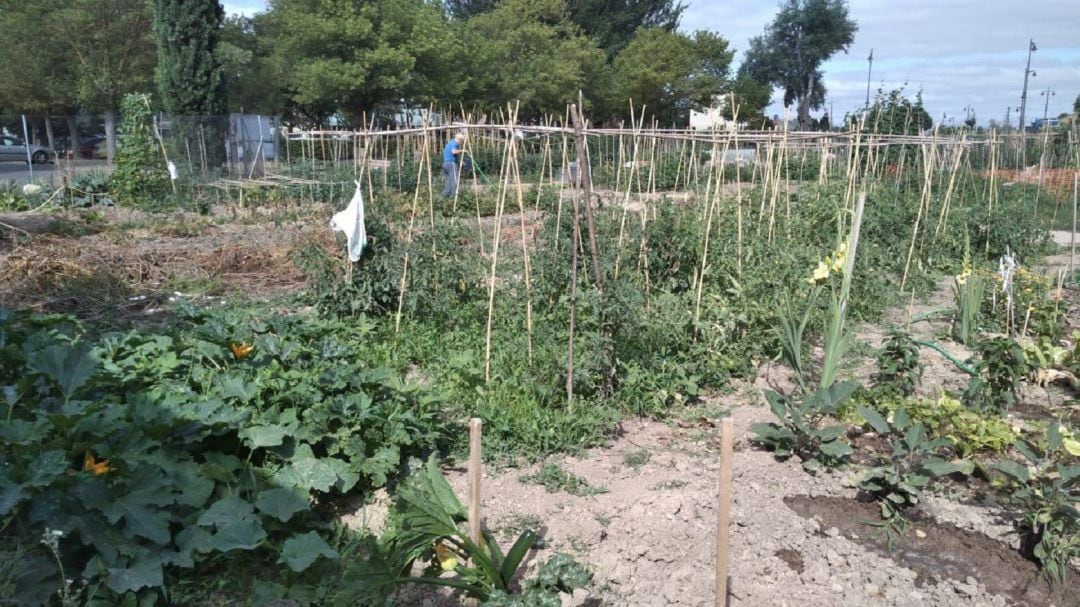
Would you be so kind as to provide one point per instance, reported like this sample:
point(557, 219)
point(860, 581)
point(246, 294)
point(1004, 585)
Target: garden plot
point(290, 386)
point(644, 518)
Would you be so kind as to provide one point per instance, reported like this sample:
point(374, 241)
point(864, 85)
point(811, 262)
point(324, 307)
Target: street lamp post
point(1027, 72)
point(1046, 106)
point(1023, 103)
point(869, 69)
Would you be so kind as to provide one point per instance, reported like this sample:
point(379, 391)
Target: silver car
point(12, 148)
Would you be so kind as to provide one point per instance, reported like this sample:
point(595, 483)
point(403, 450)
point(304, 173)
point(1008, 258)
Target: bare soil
point(935, 550)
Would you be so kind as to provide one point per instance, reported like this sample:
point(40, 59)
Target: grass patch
point(554, 478)
point(636, 459)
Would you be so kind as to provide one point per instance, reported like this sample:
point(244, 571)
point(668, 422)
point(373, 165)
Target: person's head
point(460, 137)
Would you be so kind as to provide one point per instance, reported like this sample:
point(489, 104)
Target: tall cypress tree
point(189, 73)
point(190, 77)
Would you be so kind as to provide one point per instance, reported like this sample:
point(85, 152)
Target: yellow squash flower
point(241, 350)
point(447, 557)
point(93, 466)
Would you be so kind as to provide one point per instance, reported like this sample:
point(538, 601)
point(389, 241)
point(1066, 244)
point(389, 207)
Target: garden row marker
point(475, 429)
point(723, 511)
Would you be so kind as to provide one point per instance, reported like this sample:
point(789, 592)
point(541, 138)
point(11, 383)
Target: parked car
point(12, 148)
point(88, 146)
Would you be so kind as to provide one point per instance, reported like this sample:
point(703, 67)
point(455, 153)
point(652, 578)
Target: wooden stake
point(723, 511)
point(475, 430)
point(1072, 235)
point(586, 190)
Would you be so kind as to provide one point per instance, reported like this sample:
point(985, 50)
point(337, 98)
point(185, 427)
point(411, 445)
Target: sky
point(960, 53)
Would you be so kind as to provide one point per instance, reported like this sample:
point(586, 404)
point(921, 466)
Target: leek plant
point(968, 289)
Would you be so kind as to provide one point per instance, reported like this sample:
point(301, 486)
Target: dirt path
point(650, 535)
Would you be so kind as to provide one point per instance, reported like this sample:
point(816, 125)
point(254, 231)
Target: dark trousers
point(450, 171)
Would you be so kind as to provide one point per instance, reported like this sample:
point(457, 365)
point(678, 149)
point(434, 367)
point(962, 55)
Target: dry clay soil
point(795, 539)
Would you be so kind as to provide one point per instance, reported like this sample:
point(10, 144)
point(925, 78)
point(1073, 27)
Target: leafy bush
point(898, 366)
point(89, 189)
point(968, 432)
point(22, 197)
point(1000, 367)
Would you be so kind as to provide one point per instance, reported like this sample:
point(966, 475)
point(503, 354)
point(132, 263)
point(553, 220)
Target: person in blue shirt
point(451, 160)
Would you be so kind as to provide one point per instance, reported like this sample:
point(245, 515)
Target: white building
point(712, 118)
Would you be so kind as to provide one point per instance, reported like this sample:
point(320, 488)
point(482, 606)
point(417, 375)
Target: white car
point(12, 148)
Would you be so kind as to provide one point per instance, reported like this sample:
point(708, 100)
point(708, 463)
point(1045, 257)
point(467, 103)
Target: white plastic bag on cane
point(351, 221)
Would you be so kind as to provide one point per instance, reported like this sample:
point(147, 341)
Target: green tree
point(39, 76)
point(351, 58)
point(613, 23)
point(189, 74)
point(112, 43)
point(530, 51)
point(750, 98)
point(189, 69)
point(895, 114)
point(244, 51)
point(804, 34)
point(670, 73)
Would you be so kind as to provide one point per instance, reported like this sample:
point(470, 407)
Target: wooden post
point(1072, 235)
point(584, 174)
point(475, 428)
point(723, 511)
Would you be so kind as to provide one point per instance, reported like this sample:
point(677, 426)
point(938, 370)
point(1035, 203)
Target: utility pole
point(1008, 117)
point(1023, 103)
point(869, 70)
point(1046, 106)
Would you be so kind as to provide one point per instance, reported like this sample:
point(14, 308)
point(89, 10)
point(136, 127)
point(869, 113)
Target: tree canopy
point(313, 61)
point(670, 73)
point(789, 55)
point(189, 70)
point(529, 50)
point(613, 23)
point(355, 57)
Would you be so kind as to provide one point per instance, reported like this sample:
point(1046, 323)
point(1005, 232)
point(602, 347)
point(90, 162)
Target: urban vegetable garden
point(206, 403)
